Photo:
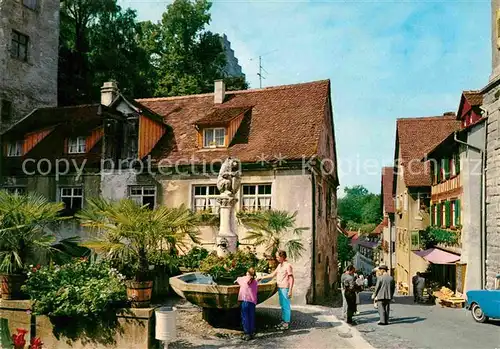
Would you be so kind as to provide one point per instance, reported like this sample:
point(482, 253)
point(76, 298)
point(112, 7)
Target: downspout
point(313, 183)
point(482, 216)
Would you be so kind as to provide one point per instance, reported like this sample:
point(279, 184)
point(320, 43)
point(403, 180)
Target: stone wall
point(135, 329)
point(492, 105)
point(30, 84)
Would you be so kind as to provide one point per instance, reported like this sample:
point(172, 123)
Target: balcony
point(451, 186)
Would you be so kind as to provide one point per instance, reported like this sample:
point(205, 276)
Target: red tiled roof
point(352, 235)
point(284, 121)
point(474, 98)
point(416, 137)
point(379, 229)
point(221, 116)
point(387, 183)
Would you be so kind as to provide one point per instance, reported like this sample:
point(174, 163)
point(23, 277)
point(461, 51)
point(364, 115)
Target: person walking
point(384, 293)
point(419, 287)
point(248, 298)
point(344, 301)
point(360, 283)
point(285, 281)
point(349, 285)
point(414, 280)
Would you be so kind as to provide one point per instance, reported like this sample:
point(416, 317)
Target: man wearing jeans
point(284, 279)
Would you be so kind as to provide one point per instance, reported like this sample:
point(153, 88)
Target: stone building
point(491, 106)
point(232, 67)
point(412, 187)
point(167, 151)
point(457, 196)
point(29, 39)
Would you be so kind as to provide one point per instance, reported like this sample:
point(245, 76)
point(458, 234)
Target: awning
point(437, 256)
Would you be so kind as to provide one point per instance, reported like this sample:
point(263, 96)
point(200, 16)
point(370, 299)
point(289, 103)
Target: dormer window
point(214, 137)
point(15, 149)
point(77, 145)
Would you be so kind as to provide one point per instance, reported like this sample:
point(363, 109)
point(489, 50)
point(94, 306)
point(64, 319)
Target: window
point(415, 240)
point(6, 111)
point(455, 213)
point(15, 149)
point(205, 198)
point(320, 200)
point(72, 197)
point(443, 214)
point(16, 190)
point(31, 4)
point(256, 197)
point(452, 167)
point(405, 201)
point(214, 137)
point(143, 195)
point(76, 145)
point(19, 46)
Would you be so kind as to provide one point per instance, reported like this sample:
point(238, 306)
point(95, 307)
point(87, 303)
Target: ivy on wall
point(433, 236)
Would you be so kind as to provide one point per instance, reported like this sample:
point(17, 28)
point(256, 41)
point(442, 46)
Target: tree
point(98, 42)
point(271, 229)
point(345, 251)
point(359, 209)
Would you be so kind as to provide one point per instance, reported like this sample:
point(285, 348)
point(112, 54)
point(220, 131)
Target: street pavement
point(312, 327)
point(423, 327)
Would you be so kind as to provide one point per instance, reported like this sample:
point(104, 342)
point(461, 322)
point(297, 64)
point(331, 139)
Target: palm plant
point(271, 228)
point(25, 234)
point(127, 232)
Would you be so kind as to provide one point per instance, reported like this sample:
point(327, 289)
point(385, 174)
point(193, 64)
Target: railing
point(446, 186)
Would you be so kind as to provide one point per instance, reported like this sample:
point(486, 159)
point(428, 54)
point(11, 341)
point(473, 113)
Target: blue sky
point(385, 59)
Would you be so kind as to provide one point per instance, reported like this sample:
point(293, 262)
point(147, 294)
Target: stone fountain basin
point(201, 290)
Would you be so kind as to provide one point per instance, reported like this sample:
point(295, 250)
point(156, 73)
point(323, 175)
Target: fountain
point(220, 302)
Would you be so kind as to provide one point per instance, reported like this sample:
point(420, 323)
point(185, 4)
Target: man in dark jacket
point(384, 292)
point(349, 286)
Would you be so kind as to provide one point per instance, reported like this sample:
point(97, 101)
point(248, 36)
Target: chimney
point(109, 91)
point(449, 113)
point(219, 92)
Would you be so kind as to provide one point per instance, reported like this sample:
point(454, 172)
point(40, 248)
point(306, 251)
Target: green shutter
point(457, 212)
point(438, 216)
point(448, 214)
point(432, 215)
point(457, 163)
point(446, 168)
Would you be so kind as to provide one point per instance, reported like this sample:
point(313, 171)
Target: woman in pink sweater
point(248, 298)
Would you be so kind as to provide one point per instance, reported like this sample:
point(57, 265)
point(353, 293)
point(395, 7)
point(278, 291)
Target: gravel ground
point(312, 327)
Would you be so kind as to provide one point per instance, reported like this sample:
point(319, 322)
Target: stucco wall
point(31, 84)
point(470, 175)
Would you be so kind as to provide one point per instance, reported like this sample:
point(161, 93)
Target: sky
point(385, 60)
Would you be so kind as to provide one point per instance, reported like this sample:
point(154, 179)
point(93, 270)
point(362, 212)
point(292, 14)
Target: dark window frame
point(18, 40)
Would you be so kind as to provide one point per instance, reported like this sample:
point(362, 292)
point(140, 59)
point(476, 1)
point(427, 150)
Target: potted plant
point(270, 229)
point(25, 237)
point(128, 233)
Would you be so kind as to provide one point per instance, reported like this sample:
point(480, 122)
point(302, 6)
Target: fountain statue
point(221, 301)
point(228, 183)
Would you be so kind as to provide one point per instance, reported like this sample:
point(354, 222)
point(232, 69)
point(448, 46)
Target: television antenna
point(261, 68)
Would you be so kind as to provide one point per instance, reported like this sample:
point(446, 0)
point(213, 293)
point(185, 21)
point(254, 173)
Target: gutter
point(482, 216)
point(313, 184)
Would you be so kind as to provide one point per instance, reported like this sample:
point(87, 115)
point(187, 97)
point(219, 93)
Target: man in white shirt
point(284, 279)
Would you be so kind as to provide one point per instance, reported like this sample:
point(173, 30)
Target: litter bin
point(166, 324)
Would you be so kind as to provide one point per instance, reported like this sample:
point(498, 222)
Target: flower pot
point(139, 293)
point(11, 285)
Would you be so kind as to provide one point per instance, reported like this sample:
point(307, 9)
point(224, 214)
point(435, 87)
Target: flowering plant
point(80, 288)
point(19, 341)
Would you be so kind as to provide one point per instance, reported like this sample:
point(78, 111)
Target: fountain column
point(228, 184)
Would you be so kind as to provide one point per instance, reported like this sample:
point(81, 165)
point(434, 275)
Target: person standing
point(414, 280)
point(349, 285)
point(384, 292)
point(344, 301)
point(285, 281)
point(420, 285)
point(248, 298)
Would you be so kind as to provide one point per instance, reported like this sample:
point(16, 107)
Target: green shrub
point(230, 267)
point(193, 258)
point(77, 289)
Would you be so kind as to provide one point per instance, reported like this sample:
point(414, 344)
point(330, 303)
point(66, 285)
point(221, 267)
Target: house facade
point(456, 194)
point(168, 151)
point(388, 243)
point(29, 43)
point(412, 187)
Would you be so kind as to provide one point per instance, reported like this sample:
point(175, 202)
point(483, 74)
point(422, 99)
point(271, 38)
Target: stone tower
point(29, 40)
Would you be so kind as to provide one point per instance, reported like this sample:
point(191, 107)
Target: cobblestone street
point(423, 326)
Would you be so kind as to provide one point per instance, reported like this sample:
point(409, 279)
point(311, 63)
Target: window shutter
point(446, 168)
point(432, 215)
point(438, 171)
point(438, 216)
point(457, 163)
point(448, 214)
point(457, 212)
